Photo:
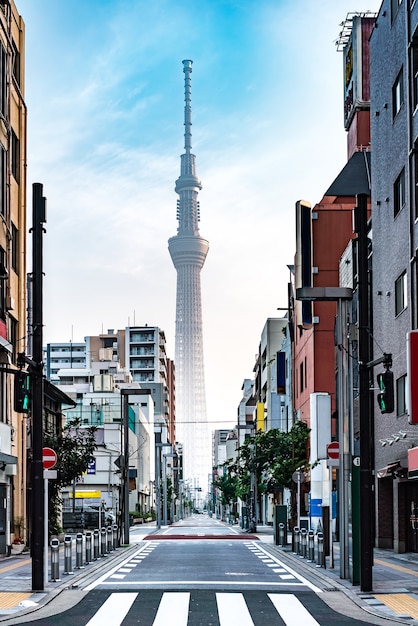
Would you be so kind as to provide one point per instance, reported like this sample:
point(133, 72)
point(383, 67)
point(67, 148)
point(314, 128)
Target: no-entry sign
point(49, 458)
point(333, 450)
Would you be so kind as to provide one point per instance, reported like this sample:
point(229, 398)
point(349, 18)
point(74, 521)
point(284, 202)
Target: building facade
point(394, 135)
point(13, 304)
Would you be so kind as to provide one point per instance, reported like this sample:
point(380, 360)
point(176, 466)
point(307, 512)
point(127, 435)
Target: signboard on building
point(413, 463)
point(356, 68)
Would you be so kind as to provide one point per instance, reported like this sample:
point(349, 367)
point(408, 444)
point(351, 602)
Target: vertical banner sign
point(412, 375)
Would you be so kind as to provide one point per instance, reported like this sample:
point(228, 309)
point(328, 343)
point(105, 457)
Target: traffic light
point(385, 398)
point(22, 392)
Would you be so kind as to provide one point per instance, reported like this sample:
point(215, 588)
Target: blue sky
point(104, 90)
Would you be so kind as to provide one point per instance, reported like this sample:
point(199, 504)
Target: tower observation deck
point(188, 252)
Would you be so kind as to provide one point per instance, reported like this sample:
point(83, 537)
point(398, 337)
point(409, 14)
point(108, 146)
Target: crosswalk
point(186, 608)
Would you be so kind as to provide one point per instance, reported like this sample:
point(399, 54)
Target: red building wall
point(314, 358)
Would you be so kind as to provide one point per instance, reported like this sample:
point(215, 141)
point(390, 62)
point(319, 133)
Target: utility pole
point(38, 517)
point(366, 434)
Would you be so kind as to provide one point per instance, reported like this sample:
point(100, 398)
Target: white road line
point(291, 610)
point(173, 609)
point(299, 577)
point(112, 571)
point(114, 610)
point(232, 608)
point(197, 583)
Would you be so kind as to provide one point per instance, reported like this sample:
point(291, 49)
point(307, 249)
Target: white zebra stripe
point(291, 610)
point(232, 608)
point(114, 610)
point(173, 609)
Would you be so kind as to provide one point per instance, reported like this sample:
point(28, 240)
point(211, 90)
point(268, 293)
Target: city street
point(196, 572)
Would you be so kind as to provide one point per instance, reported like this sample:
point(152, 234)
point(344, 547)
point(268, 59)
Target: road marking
point(112, 572)
point(232, 606)
point(197, 583)
point(173, 609)
point(299, 577)
point(114, 610)
point(291, 610)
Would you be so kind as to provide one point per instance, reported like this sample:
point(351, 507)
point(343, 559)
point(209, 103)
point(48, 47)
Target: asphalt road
point(210, 576)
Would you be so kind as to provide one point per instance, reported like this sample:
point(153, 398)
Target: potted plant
point(18, 545)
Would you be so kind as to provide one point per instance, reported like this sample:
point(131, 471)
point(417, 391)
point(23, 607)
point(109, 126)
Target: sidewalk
point(16, 595)
point(394, 596)
point(395, 579)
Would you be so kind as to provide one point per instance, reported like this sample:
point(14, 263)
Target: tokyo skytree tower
point(188, 252)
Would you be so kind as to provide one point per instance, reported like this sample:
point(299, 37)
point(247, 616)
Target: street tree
point(75, 446)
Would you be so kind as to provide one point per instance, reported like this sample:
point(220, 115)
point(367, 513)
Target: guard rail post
point(311, 546)
point(68, 566)
point(79, 550)
point(55, 565)
point(296, 539)
point(303, 541)
point(88, 548)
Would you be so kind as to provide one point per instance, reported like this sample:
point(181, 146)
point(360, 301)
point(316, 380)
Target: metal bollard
point(79, 551)
point(88, 548)
point(96, 544)
point(55, 565)
point(321, 553)
point(281, 535)
point(103, 541)
point(311, 546)
point(115, 536)
point(296, 539)
point(109, 539)
point(303, 542)
point(68, 567)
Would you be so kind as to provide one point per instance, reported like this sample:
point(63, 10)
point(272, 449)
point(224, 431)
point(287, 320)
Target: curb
point(73, 581)
point(334, 585)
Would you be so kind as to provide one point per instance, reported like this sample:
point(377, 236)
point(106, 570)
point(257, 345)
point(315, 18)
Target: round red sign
point(49, 458)
point(333, 450)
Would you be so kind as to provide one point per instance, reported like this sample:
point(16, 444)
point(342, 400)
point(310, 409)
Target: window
point(15, 157)
point(16, 63)
point(3, 81)
point(2, 285)
point(3, 187)
point(15, 249)
point(394, 6)
point(401, 408)
point(400, 293)
point(415, 72)
point(397, 94)
point(399, 193)
point(301, 377)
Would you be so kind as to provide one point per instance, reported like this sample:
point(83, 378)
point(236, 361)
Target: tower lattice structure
point(188, 252)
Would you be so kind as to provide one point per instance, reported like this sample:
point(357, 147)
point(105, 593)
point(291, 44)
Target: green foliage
point(75, 447)
point(272, 456)
point(228, 485)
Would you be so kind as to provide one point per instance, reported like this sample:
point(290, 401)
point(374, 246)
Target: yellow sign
point(86, 494)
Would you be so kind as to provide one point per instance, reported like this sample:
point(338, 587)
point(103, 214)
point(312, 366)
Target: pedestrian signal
point(385, 397)
point(22, 397)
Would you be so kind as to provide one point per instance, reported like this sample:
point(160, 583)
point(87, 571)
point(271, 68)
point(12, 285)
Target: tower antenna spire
point(187, 69)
